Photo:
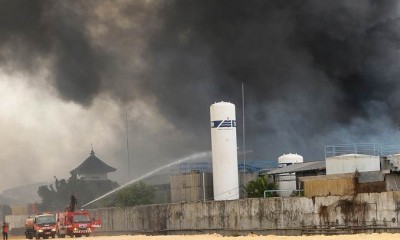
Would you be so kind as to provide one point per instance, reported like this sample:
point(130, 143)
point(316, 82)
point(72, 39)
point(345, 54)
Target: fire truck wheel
point(87, 235)
point(60, 235)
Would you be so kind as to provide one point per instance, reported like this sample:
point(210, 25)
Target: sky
point(81, 74)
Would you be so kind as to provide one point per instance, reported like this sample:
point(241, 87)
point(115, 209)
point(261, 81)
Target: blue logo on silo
point(223, 124)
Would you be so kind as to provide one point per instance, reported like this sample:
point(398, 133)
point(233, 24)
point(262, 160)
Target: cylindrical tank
point(29, 223)
point(289, 159)
point(287, 181)
point(224, 151)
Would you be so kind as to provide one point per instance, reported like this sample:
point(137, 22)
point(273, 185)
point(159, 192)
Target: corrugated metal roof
point(300, 167)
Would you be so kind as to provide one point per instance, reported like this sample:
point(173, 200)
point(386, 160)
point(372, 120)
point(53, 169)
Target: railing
point(373, 149)
point(359, 148)
point(190, 167)
point(299, 191)
point(250, 166)
point(390, 149)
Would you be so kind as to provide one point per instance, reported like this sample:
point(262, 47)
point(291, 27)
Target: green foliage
point(57, 197)
point(135, 194)
point(256, 188)
point(297, 194)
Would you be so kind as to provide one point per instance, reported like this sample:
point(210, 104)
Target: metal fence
point(373, 149)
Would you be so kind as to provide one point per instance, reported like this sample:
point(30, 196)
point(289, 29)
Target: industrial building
point(348, 169)
point(208, 197)
point(194, 181)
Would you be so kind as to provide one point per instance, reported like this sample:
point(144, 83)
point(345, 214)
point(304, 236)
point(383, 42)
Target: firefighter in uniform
point(5, 231)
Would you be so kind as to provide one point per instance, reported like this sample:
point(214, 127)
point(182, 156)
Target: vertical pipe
point(282, 224)
point(204, 188)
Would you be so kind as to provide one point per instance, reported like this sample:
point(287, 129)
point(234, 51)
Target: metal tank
point(289, 159)
point(224, 151)
point(287, 181)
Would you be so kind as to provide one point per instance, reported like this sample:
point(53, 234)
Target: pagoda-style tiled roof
point(93, 165)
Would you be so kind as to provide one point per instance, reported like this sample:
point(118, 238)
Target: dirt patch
point(383, 236)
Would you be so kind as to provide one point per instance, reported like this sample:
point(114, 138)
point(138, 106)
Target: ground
point(375, 236)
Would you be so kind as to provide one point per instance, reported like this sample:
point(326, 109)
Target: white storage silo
point(289, 159)
point(287, 181)
point(224, 151)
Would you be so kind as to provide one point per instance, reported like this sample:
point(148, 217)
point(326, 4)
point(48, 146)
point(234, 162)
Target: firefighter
point(5, 231)
point(73, 203)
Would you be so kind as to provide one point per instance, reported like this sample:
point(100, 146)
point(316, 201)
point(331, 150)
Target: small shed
point(329, 185)
point(348, 183)
point(292, 172)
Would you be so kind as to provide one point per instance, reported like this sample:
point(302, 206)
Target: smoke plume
point(314, 73)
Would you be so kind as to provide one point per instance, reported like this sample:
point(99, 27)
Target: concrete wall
point(4, 211)
point(392, 182)
point(252, 214)
point(256, 214)
point(16, 221)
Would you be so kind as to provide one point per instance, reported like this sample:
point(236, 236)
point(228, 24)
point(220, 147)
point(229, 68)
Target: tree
point(57, 197)
point(256, 188)
point(135, 194)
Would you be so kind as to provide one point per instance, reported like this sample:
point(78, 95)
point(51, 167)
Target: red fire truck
point(75, 224)
point(40, 226)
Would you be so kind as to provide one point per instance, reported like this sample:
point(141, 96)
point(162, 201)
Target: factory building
point(193, 182)
point(222, 178)
point(347, 169)
point(296, 171)
point(355, 168)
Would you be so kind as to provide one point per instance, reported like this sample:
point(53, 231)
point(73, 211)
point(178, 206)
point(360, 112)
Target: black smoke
point(315, 73)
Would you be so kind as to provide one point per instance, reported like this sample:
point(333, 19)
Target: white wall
point(350, 163)
point(93, 176)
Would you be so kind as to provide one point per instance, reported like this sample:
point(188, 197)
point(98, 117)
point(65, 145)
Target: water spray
point(187, 158)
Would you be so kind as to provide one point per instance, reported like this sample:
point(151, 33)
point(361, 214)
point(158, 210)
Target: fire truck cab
point(40, 226)
point(74, 224)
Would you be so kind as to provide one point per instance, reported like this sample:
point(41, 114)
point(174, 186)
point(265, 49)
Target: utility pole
point(127, 147)
point(244, 131)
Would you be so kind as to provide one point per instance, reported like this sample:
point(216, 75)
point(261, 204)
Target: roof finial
point(92, 152)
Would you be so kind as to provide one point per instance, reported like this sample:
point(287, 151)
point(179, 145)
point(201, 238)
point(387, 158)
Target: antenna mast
point(244, 132)
point(127, 146)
